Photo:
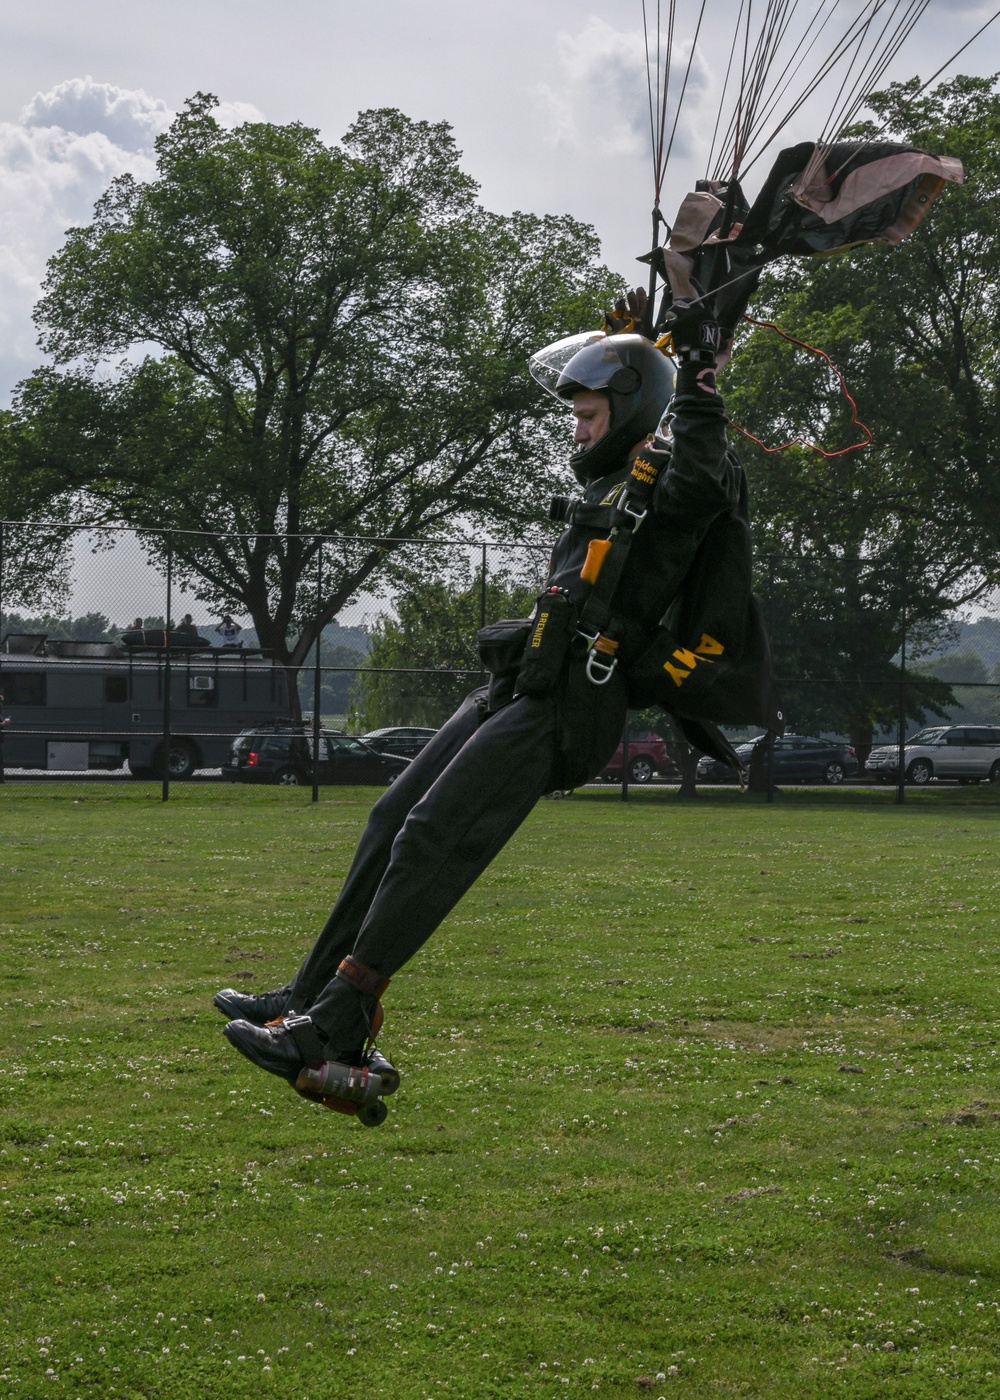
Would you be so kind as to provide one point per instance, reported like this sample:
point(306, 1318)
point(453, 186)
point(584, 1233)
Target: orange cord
point(800, 441)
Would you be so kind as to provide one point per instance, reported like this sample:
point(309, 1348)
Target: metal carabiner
point(600, 671)
point(638, 516)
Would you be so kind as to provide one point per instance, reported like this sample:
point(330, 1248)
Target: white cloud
point(56, 160)
point(602, 102)
point(130, 120)
point(232, 114)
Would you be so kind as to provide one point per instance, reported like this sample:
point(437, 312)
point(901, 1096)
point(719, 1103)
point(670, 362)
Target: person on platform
point(229, 631)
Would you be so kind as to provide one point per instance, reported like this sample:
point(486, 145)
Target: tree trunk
point(860, 738)
point(292, 686)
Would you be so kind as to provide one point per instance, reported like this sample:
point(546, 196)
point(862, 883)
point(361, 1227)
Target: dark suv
point(284, 755)
point(405, 740)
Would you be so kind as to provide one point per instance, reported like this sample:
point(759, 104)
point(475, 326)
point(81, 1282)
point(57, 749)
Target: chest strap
point(606, 560)
point(588, 515)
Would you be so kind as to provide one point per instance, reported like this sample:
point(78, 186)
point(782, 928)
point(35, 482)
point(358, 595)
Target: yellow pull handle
point(595, 558)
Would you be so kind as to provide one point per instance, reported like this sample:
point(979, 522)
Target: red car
point(648, 754)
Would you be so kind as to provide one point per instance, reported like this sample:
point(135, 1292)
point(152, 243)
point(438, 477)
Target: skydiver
point(453, 809)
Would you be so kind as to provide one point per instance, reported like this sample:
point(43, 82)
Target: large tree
point(310, 341)
point(906, 528)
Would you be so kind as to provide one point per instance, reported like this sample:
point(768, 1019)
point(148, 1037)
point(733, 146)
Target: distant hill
point(982, 637)
point(355, 638)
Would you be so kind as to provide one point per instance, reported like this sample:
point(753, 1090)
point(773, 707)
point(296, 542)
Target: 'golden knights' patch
point(644, 472)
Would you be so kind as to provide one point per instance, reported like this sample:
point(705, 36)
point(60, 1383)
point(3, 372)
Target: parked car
point(713, 770)
point(284, 755)
point(968, 753)
point(648, 756)
point(406, 741)
point(796, 758)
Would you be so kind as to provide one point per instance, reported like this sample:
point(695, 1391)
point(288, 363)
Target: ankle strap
point(309, 1042)
point(361, 978)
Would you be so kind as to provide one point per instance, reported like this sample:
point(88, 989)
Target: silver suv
point(968, 753)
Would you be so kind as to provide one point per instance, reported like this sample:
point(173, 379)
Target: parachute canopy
point(821, 199)
point(815, 60)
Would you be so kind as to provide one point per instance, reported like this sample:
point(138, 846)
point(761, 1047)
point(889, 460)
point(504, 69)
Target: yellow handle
point(595, 558)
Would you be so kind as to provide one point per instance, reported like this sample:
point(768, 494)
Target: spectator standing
point(229, 631)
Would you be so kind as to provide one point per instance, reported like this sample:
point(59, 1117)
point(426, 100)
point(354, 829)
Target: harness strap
point(361, 978)
point(310, 1044)
point(589, 515)
point(629, 512)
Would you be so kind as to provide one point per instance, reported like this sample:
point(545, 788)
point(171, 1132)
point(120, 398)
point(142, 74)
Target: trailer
point(79, 706)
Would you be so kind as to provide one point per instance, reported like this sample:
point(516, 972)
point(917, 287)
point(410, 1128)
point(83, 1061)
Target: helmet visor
point(548, 366)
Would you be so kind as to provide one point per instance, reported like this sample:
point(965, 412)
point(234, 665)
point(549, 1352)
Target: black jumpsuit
point(454, 808)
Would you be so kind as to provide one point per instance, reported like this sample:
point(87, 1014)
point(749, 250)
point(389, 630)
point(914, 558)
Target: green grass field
point(698, 1099)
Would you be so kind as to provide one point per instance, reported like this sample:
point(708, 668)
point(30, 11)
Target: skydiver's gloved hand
point(696, 335)
point(630, 314)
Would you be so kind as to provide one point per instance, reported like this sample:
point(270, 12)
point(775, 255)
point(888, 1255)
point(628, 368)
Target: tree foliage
point(423, 658)
point(317, 341)
point(851, 546)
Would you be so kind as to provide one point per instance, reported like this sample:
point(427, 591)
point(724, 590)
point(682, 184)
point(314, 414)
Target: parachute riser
point(658, 223)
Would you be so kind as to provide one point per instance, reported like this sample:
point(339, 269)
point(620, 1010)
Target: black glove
point(629, 314)
point(696, 335)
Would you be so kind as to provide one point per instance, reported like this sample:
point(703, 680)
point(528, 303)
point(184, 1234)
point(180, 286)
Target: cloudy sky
point(547, 99)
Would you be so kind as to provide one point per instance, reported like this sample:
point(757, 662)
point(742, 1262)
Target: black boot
point(282, 1049)
point(245, 1006)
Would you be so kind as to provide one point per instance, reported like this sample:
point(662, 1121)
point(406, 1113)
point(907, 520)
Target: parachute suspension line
point(771, 41)
point(725, 88)
point(743, 83)
point(658, 89)
point(840, 49)
point(833, 128)
point(775, 83)
point(668, 65)
point(873, 70)
point(801, 52)
point(856, 422)
point(924, 86)
point(649, 91)
point(754, 91)
point(655, 127)
point(658, 94)
point(687, 74)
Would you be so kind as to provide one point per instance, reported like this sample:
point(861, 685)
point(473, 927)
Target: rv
point(75, 706)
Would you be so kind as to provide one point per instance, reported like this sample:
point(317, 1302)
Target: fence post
point(482, 605)
point(625, 760)
point(316, 672)
point(165, 778)
point(3, 776)
point(482, 588)
point(901, 731)
point(769, 746)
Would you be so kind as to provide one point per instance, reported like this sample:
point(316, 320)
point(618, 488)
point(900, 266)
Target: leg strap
point(361, 978)
point(311, 1045)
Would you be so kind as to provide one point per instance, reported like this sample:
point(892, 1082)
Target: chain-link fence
point(126, 658)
